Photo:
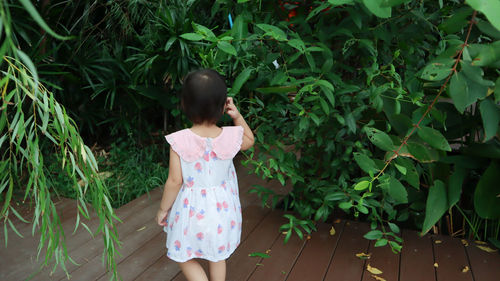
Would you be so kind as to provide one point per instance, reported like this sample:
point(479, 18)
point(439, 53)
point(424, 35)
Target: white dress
point(205, 219)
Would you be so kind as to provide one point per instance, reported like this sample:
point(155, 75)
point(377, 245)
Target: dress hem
point(212, 259)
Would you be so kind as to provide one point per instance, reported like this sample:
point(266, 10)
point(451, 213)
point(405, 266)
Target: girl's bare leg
point(193, 271)
point(217, 270)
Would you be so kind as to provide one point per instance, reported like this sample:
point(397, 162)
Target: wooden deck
point(322, 257)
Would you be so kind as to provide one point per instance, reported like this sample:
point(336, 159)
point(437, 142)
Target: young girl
point(200, 209)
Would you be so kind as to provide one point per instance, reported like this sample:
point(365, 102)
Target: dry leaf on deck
point(332, 231)
point(465, 269)
point(268, 251)
point(378, 278)
point(308, 237)
point(337, 221)
point(486, 249)
point(465, 242)
point(373, 270)
point(481, 242)
point(142, 228)
point(363, 256)
point(436, 265)
point(438, 241)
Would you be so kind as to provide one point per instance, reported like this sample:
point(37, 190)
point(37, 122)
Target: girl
point(200, 209)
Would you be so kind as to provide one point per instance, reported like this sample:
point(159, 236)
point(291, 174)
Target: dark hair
point(204, 94)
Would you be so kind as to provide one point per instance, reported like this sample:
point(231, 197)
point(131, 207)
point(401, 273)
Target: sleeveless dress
point(205, 219)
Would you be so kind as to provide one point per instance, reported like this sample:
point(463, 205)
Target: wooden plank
point(282, 257)
point(140, 259)
point(164, 268)
point(484, 266)
point(345, 265)
point(19, 259)
point(385, 260)
point(82, 247)
point(451, 258)
point(139, 227)
point(417, 258)
point(316, 254)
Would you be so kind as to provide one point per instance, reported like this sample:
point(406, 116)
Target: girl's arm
point(248, 138)
point(171, 188)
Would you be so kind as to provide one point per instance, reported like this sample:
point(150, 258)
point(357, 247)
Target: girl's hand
point(161, 217)
point(231, 109)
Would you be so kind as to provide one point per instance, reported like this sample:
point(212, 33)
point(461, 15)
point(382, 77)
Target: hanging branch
point(415, 126)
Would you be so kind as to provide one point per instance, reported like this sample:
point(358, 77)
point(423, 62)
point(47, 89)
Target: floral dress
point(205, 219)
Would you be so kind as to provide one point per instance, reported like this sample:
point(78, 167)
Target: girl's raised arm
point(232, 111)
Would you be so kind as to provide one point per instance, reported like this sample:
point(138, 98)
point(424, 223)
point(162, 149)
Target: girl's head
point(204, 95)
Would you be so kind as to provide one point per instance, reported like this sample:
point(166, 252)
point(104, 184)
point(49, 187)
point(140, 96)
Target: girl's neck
point(206, 130)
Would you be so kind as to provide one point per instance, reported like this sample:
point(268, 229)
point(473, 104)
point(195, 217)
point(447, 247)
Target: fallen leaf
point(363, 256)
point(268, 251)
point(283, 272)
point(332, 231)
point(378, 278)
point(337, 221)
point(308, 237)
point(438, 241)
point(465, 269)
point(436, 265)
point(464, 242)
point(259, 264)
point(373, 270)
point(284, 232)
point(481, 242)
point(486, 249)
point(142, 228)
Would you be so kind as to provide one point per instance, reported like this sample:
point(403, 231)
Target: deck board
point(322, 257)
point(345, 265)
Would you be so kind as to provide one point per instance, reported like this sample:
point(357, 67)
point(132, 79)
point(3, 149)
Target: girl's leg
point(193, 271)
point(217, 270)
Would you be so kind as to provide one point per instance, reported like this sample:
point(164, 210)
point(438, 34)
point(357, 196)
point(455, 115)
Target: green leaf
point(412, 177)
point(437, 70)
point(345, 205)
point(226, 47)
point(365, 163)
point(380, 139)
point(485, 54)
point(240, 28)
point(455, 185)
point(381, 242)
point(204, 31)
point(240, 80)
point(273, 31)
point(490, 113)
point(376, 8)
point(435, 206)
point(373, 235)
point(490, 8)
point(457, 21)
point(169, 43)
point(422, 153)
point(335, 3)
point(434, 138)
point(192, 36)
point(486, 195)
point(36, 16)
point(397, 191)
point(459, 92)
point(362, 185)
point(260, 255)
point(394, 228)
point(297, 44)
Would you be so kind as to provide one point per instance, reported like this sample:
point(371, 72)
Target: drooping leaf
point(373, 235)
point(455, 185)
point(240, 80)
point(490, 113)
point(412, 177)
point(459, 92)
point(39, 20)
point(297, 44)
point(485, 54)
point(273, 31)
point(397, 191)
point(486, 195)
point(434, 138)
point(436, 205)
point(456, 21)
